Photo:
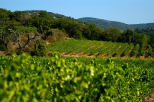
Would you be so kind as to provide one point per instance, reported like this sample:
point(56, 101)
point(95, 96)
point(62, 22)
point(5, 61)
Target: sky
point(126, 11)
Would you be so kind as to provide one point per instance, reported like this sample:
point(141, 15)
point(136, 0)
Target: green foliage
point(24, 29)
point(112, 34)
point(127, 50)
point(150, 51)
point(92, 32)
point(7, 33)
point(127, 36)
point(71, 26)
point(135, 50)
point(152, 41)
point(42, 24)
point(40, 50)
point(99, 48)
point(4, 15)
point(36, 79)
point(141, 39)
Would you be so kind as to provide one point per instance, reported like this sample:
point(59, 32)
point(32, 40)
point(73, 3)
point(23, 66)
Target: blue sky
point(127, 11)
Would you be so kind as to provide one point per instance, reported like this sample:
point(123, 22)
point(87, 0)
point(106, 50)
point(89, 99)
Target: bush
point(40, 50)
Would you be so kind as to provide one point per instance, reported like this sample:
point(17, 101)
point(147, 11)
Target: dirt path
point(149, 98)
point(88, 55)
point(2, 53)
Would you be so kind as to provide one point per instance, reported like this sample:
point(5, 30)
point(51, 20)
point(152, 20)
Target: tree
point(72, 27)
point(127, 36)
point(152, 41)
point(43, 14)
point(42, 24)
point(112, 34)
point(150, 51)
point(21, 16)
point(7, 34)
point(141, 39)
point(4, 16)
point(29, 32)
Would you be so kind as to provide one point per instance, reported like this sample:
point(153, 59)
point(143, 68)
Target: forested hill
point(108, 24)
point(40, 12)
point(104, 23)
point(141, 26)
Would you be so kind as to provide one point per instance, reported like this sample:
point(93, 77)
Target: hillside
point(108, 24)
point(88, 48)
point(104, 23)
point(41, 12)
point(28, 30)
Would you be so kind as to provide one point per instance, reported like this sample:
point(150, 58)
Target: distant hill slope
point(141, 26)
point(38, 12)
point(108, 24)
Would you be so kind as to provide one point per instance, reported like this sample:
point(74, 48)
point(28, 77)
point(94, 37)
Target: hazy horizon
point(125, 11)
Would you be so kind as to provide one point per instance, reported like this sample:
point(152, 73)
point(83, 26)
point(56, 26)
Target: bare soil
point(88, 55)
point(2, 53)
point(149, 98)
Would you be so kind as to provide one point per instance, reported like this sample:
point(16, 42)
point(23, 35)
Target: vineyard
point(39, 79)
point(49, 57)
point(81, 48)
